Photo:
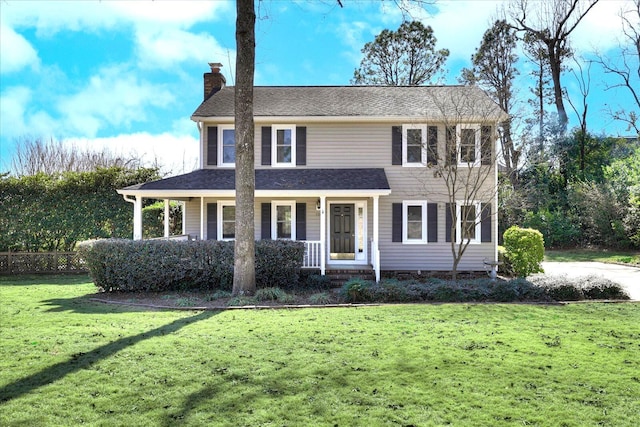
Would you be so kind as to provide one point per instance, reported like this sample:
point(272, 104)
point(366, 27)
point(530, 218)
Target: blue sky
point(128, 74)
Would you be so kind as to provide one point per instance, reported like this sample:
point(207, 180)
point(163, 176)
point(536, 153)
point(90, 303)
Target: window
point(414, 218)
point(413, 143)
point(227, 145)
point(227, 223)
point(284, 220)
point(469, 144)
point(419, 145)
point(284, 145)
point(468, 221)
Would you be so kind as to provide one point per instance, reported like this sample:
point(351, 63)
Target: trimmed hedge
point(435, 290)
point(161, 265)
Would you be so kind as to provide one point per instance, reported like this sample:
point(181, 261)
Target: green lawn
point(67, 361)
point(600, 255)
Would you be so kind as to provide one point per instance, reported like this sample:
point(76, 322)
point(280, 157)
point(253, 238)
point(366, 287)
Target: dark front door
point(342, 230)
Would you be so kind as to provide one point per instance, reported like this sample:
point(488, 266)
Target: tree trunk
point(244, 277)
point(555, 64)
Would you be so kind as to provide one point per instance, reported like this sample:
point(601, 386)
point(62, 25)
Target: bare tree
point(464, 164)
point(583, 78)
point(34, 155)
point(244, 277)
point(552, 22)
point(627, 67)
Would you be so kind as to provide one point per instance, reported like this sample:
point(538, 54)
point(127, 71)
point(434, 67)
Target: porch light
point(318, 205)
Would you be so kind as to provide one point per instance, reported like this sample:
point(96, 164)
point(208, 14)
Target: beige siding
point(192, 217)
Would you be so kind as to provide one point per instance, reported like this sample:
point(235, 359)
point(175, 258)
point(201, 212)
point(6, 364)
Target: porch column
point(323, 235)
point(137, 218)
point(166, 218)
point(375, 253)
point(201, 218)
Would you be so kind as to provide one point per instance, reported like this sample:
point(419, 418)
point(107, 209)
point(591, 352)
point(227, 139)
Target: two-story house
point(369, 177)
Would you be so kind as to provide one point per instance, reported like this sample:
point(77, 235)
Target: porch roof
point(294, 181)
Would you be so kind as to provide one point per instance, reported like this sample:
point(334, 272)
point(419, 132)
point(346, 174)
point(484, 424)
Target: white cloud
point(175, 154)
point(17, 120)
point(17, 52)
point(166, 47)
point(115, 97)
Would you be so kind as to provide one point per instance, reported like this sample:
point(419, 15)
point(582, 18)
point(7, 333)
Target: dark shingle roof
point(356, 101)
point(274, 179)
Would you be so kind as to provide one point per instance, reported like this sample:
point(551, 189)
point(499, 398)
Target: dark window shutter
point(486, 148)
point(212, 221)
point(266, 145)
point(301, 221)
point(451, 145)
point(449, 221)
point(396, 146)
point(432, 145)
point(212, 145)
point(396, 221)
point(432, 222)
point(265, 217)
point(485, 222)
point(301, 145)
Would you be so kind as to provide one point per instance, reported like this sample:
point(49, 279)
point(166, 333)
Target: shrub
point(524, 248)
point(356, 290)
point(505, 268)
point(272, 294)
point(320, 298)
point(556, 227)
point(278, 263)
point(161, 265)
point(312, 280)
point(595, 287)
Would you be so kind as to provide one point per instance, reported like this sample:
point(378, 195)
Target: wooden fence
point(41, 262)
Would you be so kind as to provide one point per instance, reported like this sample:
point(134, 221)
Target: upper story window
point(227, 145)
point(469, 144)
point(419, 145)
point(284, 145)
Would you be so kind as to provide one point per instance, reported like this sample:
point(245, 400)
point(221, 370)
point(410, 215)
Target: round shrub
point(524, 248)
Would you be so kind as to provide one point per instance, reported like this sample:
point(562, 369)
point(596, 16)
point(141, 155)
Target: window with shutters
point(227, 145)
point(419, 145)
point(227, 220)
point(283, 145)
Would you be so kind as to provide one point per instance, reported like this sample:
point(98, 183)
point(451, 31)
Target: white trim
point(274, 145)
point(436, 118)
point(185, 194)
point(220, 221)
point(220, 136)
point(405, 222)
point(423, 145)
point(478, 224)
point(274, 218)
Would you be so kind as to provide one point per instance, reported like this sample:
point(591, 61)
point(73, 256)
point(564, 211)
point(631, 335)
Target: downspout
point(200, 138)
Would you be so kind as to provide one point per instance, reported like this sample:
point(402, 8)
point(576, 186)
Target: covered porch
point(335, 212)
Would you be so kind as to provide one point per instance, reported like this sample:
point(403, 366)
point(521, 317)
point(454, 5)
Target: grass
point(66, 361)
point(600, 255)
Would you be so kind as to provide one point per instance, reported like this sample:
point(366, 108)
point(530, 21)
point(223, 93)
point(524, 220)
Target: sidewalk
point(628, 277)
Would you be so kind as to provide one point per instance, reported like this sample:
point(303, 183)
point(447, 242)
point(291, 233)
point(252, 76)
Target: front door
point(342, 230)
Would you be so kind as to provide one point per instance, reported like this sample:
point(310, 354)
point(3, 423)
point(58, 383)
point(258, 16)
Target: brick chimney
point(213, 81)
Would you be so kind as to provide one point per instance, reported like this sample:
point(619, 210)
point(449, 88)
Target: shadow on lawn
point(85, 360)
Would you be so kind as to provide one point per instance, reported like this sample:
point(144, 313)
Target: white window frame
point(478, 142)
point(274, 218)
point(423, 151)
point(221, 205)
point(478, 225)
point(274, 145)
point(405, 222)
point(221, 129)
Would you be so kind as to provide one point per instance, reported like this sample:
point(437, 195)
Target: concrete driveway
point(628, 277)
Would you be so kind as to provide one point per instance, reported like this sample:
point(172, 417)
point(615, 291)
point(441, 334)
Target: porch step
point(340, 276)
